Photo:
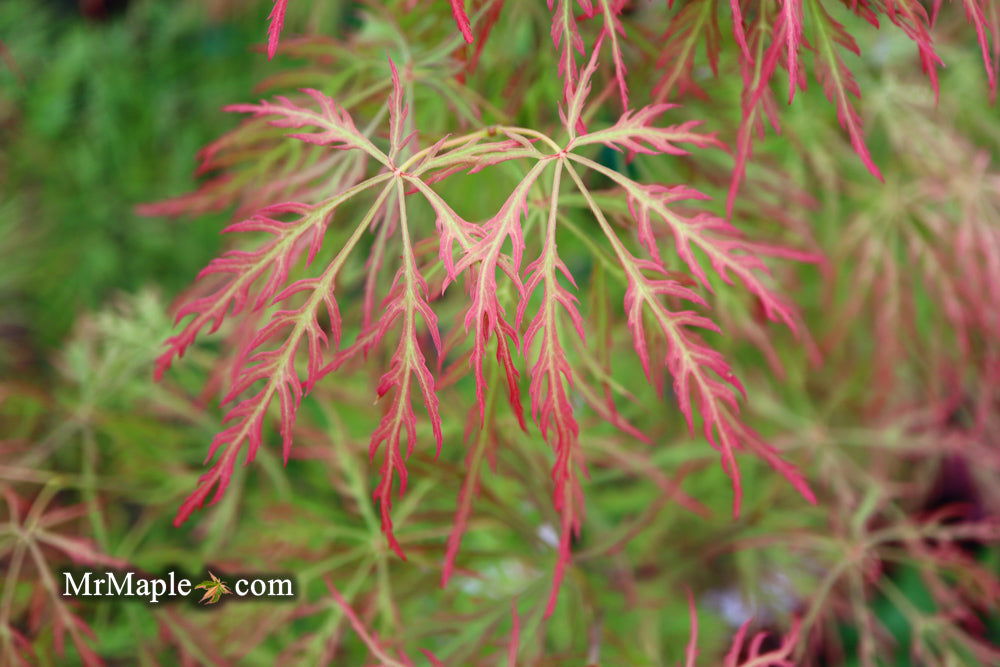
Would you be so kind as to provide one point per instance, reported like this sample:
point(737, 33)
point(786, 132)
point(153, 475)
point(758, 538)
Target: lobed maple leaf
point(214, 587)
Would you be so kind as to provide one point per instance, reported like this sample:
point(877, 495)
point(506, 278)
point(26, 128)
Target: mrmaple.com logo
point(172, 586)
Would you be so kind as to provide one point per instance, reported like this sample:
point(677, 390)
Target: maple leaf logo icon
point(215, 588)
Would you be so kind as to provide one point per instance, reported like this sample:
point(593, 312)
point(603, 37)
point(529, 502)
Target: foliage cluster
point(571, 359)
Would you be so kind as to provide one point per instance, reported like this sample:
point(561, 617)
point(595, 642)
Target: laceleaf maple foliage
point(477, 255)
point(361, 212)
point(34, 533)
point(772, 35)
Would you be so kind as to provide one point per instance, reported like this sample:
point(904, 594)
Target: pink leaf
point(790, 22)
point(566, 36)
point(782, 656)
point(369, 639)
point(335, 126)
point(485, 316)
point(839, 84)
point(461, 19)
point(397, 116)
point(407, 300)
point(691, 654)
point(277, 21)
point(976, 13)
point(613, 29)
point(635, 133)
point(551, 378)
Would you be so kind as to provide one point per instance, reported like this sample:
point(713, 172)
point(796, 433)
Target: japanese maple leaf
point(215, 588)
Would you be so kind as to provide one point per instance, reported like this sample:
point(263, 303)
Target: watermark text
point(172, 586)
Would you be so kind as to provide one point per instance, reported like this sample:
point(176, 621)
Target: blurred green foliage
point(96, 117)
